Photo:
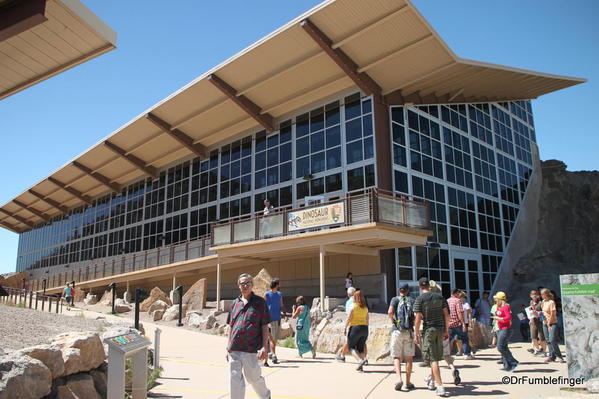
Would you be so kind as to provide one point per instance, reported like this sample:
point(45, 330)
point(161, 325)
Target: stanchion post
point(49, 304)
point(112, 286)
point(139, 296)
point(30, 299)
point(180, 289)
point(43, 302)
point(57, 304)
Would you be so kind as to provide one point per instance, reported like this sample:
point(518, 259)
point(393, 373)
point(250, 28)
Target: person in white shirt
point(268, 208)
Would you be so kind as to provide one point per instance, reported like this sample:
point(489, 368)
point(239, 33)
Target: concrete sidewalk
point(195, 367)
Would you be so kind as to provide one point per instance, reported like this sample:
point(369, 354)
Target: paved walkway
point(195, 367)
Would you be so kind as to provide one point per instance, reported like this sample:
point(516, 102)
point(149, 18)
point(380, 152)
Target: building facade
point(378, 103)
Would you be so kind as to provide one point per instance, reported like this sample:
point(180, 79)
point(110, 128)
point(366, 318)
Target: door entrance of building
point(466, 274)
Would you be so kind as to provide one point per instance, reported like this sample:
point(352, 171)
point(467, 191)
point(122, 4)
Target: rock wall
point(558, 237)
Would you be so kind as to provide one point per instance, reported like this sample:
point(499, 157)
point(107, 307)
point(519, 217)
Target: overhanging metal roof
point(386, 45)
point(41, 38)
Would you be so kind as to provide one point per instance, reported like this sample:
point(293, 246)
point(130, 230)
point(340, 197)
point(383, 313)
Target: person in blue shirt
point(274, 301)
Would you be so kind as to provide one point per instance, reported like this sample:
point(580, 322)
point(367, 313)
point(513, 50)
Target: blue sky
point(161, 48)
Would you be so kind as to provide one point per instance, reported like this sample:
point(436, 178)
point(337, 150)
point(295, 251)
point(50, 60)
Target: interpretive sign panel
point(127, 343)
point(319, 216)
point(580, 304)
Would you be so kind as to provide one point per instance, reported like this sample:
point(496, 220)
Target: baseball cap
point(405, 287)
point(266, 200)
point(423, 281)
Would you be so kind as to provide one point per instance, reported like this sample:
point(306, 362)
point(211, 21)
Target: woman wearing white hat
point(503, 315)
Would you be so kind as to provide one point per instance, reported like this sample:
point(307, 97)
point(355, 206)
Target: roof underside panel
point(387, 39)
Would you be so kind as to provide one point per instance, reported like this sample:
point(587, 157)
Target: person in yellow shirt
point(357, 321)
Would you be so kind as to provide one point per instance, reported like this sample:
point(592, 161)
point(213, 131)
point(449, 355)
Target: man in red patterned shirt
point(457, 324)
point(248, 334)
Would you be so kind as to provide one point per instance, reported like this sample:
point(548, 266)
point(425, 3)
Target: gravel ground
point(21, 328)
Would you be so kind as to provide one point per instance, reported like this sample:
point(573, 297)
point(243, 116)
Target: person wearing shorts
point(274, 301)
point(432, 311)
point(402, 345)
point(539, 343)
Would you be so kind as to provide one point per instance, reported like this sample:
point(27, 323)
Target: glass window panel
point(272, 157)
point(367, 124)
point(260, 179)
point(332, 113)
point(333, 182)
point(302, 167)
point(285, 172)
point(303, 189)
point(317, 141)
point(302, 125)
point(334, 158)
point(317, 186)
point(318, 162)
point(355, 179)
point(285, 152)
point(353, 130)
point(354, 152)
point(333, 136)
point(352, 106)
point(260, 160)
point(368, 148)
point(302, 147)
point(316, 120)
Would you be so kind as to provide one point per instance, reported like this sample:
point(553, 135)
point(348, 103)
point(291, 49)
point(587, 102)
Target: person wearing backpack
point(401, 314)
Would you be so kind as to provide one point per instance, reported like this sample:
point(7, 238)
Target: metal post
point(36, 299)
point(321, 256)
point(57, 304)
point(50, 304)
point(157, 332)
point(43, 302)
point(113, 287)
point(137, 299)
point(30, 299)
point(180, 289)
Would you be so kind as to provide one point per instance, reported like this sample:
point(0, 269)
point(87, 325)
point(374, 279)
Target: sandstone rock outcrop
point(120, 306)
point(561, 238)
point(195, 297)
point(23, 377)
point(50, 355)
point(80, 351)
point(106, 299)
point(262, 282)
point(155, 295)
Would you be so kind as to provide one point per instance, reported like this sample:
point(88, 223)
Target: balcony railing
point(368, 206)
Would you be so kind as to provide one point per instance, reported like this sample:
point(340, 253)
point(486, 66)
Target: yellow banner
point(316, 217)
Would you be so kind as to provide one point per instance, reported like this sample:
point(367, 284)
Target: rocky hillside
point(565, 238)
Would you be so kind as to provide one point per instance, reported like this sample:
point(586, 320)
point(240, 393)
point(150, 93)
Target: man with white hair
point(248, 336)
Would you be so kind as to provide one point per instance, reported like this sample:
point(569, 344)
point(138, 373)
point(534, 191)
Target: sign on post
point(119, 347)
point(318, 216)
point(580, 301)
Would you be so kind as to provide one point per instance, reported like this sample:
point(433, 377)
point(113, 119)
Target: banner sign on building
point(319, 216)
point(580, 301)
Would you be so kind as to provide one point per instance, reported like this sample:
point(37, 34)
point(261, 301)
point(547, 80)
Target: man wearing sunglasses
point(248, 335)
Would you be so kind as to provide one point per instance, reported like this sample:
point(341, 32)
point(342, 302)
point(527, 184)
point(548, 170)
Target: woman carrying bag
point(301, 311)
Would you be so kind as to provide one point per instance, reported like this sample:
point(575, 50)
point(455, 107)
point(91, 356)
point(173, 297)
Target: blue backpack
point(404, 314)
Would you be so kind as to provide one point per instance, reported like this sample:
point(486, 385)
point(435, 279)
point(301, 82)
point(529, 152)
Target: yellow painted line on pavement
point(192, 390)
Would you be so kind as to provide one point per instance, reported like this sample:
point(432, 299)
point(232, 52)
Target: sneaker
point(459, 354)
point(548, 360)
point(456, 377)
point(270, 355)
point(340, 358)
point(409, 386)
point(274, 359)
point(365, 362)
point(470, 357)
point(561, 360)
point(266, 364)
point(398, 386)
point(531, 351)
point(514, 367)
point(430, 383)
point(441, 391)
point(361, 365)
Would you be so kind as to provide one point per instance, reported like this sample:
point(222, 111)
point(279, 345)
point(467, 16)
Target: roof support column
point(322, 254)
point(218, 284)
point(384, 180)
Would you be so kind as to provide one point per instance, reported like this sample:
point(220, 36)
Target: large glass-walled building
point(373, 104)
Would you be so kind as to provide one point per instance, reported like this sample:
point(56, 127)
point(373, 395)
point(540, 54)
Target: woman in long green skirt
point(301, 311)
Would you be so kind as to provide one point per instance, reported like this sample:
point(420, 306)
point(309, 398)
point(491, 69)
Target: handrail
point(31, 299)
point(381, 206)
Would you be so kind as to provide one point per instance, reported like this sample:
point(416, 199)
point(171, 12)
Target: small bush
point(288, 342)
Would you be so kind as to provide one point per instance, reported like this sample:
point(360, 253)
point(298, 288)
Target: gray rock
point(90, 299)
point(82, 386)
point(194, 320)
point(22, 377)
point(50, 355)
point(172, 313)
point(157, 314)
point(120, 306)
point(100, 380)
point(158, 305)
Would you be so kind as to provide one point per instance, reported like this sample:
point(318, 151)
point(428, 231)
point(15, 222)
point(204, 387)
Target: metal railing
point(120, 264)
point(366, 206)
point(33, 300)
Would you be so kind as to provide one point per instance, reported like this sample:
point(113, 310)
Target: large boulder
point(158, 305)
point(100, 381)
point(80, 351)
point(262, 282)
point(195, 297)
point(120, 306)
point(82, 386)
point(155, 295)
point(90, 299)
point(194, 320)
point(158, 314)
point(22, 377)
point(50, 355)
point(172, 313)
point(106, 299)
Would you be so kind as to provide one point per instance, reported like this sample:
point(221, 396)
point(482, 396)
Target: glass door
point(466, 274)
